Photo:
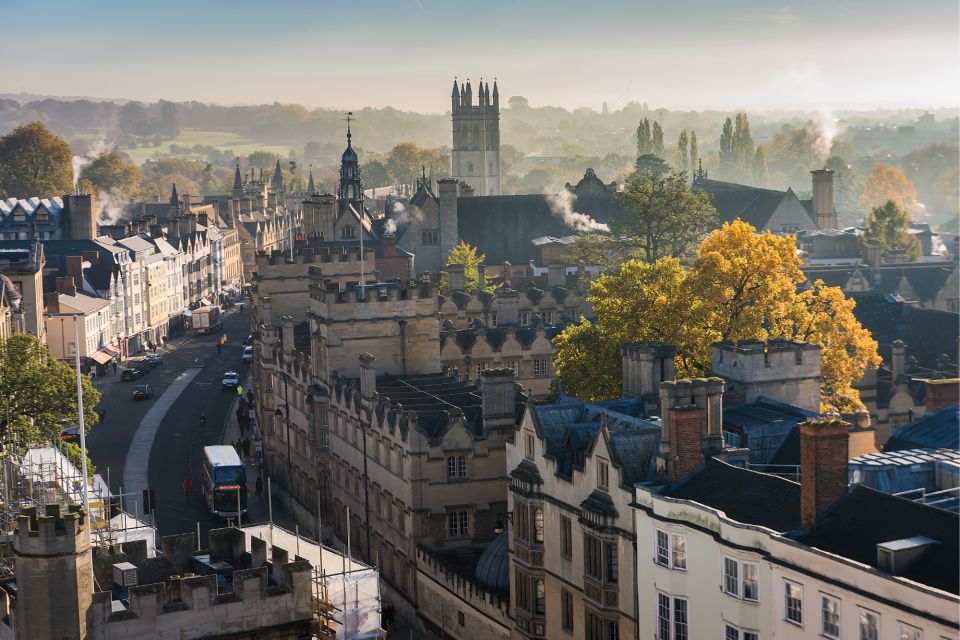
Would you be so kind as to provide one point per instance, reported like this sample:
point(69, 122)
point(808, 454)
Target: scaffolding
point(44, 475)
point(346, 593)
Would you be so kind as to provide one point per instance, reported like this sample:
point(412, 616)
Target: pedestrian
point(114, 363)
point(246, 448)
point(203, 421)
point(259, 487)
point(243, 427)
point(164, 340)
point(250, 398)
point(187, 488)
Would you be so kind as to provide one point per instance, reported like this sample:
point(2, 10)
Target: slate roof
point(763, 425)
point(926, 279)
point(31, 205)
point(940, 430)
point(750, 204)
point(482, 220)
point(493, 567)
point(437, 398)
point(98, 275)
point(570, 427)
point(865, 517)
point(743, 495)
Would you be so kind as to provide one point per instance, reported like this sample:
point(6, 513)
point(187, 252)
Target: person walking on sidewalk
point(246, 448)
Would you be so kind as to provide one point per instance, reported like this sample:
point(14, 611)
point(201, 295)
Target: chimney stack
point(456, 278)
point(898, 359)
point(173, 227)
point(682, 427)
point(51, 302)
point(66, 286)
point(368, 375)
point(388, 245)
point(824, 475)
point(499, 398)
point(202, 218)
point(645, 366)
point(823, 207)
point(556, 275)
point(75, 270)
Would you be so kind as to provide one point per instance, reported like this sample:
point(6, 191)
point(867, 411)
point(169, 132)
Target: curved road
point(177, 447)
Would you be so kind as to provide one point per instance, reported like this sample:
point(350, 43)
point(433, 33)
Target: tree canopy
point(888, 183)
point(471, 260)
point(111, 173)
point(662, 215)
point(34, 162)
point(741, 286)
point(887, 227)
point(40, 392)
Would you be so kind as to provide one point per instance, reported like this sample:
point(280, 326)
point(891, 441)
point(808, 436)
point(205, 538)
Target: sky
point(750, 54)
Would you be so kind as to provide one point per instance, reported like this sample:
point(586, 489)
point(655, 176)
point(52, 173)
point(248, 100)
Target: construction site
point(70, 571)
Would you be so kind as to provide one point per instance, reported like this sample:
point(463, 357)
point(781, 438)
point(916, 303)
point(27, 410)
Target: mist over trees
point(543, 147)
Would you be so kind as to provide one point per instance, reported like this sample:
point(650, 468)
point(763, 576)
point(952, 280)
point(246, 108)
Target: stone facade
point(783, 370)
point(476, 137)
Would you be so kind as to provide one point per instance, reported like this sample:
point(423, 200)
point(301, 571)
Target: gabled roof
point(940, 430)
point(753, 205)
point(864, 518)
point(83, 302)
point(746, 496)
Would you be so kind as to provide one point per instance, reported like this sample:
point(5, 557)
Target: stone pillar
point(898, 359)
point(556, 275)
point(368, 375)
point(456, 277)
point(449, 227)
point(499, 398)
point(823, 207)
point(824, 476)
point(507, 302)
point(287, 334)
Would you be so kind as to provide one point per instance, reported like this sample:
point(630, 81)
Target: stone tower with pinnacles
point(476, 137)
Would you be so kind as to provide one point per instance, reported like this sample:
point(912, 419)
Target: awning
point(102, 357)
point(113, 351)
point(233, 289)
point(206, 302)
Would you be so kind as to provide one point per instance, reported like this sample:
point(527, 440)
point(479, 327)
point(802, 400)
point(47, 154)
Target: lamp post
point(83, 438)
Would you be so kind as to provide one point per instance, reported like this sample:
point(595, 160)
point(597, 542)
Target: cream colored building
point(67, 306)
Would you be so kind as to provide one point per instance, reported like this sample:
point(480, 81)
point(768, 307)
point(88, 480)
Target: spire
point(496, 94)
point(469, 94)
point(261, 175)
point(311, 188)
point(174, 198)
point(237, 180)
point(455, 96)
point(277, 181)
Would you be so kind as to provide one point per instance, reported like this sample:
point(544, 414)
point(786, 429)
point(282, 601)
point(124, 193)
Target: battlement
point(374, 295)
point(53, 532)
point(687, 392)
point(491, 604)
point(772, 360)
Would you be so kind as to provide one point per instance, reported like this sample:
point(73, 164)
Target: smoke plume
point(400, 214)
point(562, 205)
point(78, 163)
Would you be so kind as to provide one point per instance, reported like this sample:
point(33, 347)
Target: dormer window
point(603, 474)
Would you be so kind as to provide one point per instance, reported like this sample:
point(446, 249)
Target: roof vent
point(124, 574)
point(897, 556)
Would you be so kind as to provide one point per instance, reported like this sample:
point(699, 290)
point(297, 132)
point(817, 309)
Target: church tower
point(350, 191)
point(476, 137)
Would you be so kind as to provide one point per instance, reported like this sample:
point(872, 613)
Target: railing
point(948, 499)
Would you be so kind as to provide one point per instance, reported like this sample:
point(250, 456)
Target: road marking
point(138, 456)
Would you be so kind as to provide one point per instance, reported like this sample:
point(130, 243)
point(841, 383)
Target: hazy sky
point(339, 53)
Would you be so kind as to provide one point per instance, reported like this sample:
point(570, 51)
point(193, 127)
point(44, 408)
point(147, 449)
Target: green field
point(221, 140)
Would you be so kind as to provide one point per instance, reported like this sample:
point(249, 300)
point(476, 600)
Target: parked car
point(248, 354)
point(231, 380)
point(153, 360)
point(142, 392)
point(131, 374)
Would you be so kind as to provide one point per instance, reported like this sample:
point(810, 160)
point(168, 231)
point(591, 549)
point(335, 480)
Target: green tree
point(171, 122)
point(694, 153)
point(375, 174)
point(656, 143)
point(644, 141)
point(134, 119)
point(650, 164)
point(727, 156)
point(406, 161)
point(741, 286)
point(260, 159)
point(742, 145)
point(471, 260)
point(40, 392)
point(110, 173)
point(682, 161)
point(662, 216)
point(759, 167)
point(34, 162)
point(887, 227)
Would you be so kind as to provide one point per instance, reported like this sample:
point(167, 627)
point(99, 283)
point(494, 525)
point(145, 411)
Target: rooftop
point(939, 430)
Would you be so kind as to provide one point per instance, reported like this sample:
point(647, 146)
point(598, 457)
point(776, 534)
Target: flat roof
point(222, 455)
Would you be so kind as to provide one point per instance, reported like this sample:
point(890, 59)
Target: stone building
point(70, 217)
point(21, 272)
point(245, 585)
point(476, 137)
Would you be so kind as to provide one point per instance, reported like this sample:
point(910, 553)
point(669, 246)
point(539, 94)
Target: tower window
point(470, 168)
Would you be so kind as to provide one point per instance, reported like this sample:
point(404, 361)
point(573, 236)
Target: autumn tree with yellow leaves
point(888, 183)
point(741, 286)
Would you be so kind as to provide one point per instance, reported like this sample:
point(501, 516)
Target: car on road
point(248, 340)
point(231, 380)
point(131, 374)
point(142, 392)
point(153, 360)
point(70, 434)
point(248, 354)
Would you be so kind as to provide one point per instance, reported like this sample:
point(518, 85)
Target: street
point(177, 448)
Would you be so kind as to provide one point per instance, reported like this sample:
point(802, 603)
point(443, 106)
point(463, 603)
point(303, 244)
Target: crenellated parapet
point(467, 590)
point(52, 531)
